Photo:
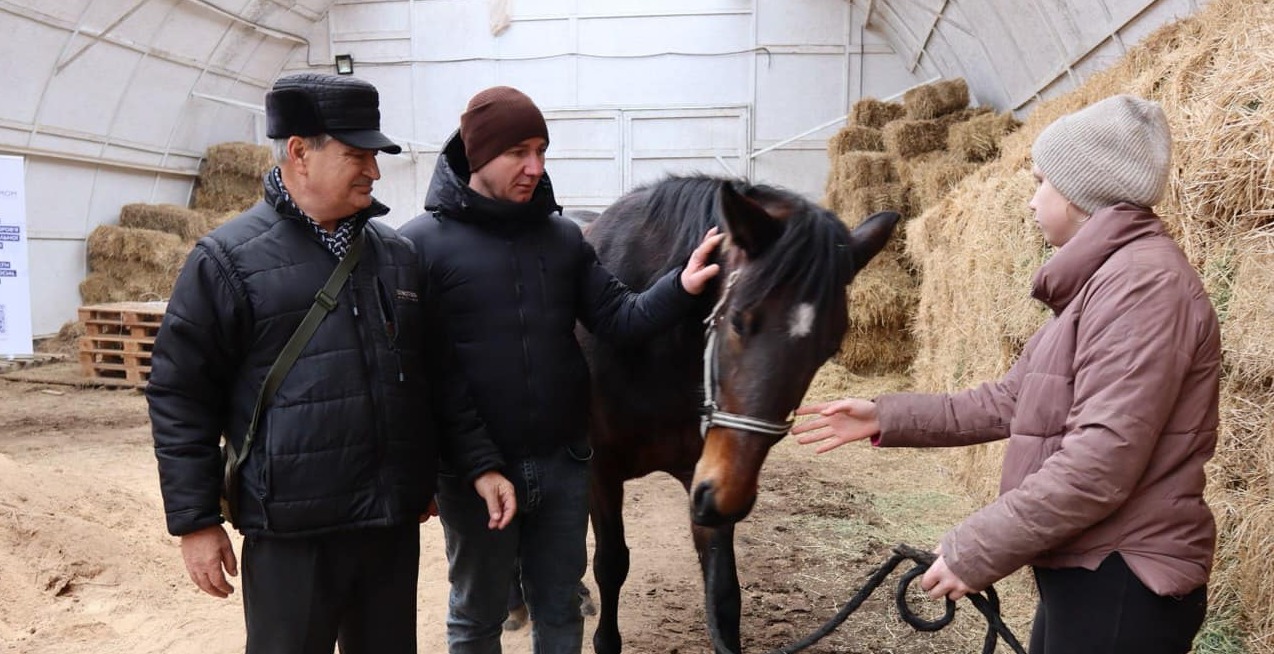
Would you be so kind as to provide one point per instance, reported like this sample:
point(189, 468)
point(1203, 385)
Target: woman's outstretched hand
point(837, 423)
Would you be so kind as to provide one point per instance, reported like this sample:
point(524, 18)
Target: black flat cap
point(309, 104)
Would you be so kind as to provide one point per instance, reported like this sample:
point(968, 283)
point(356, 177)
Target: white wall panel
point(441, 93)
point(801, 22)
point(57, 266)
point(143, 24)
point(796, 92)
point(113, 189)
point(802, 171)
point(58, 197)
point(649, 7)
point(668, 80)
point(533, 39)
point(188, 32)
point(451, 29)
point(551, 83)
point(38, 47)
point(68, 11)
point(709, 34)
point(370, 19)
point(107, 74)
point(149, 110)
point(550, 7)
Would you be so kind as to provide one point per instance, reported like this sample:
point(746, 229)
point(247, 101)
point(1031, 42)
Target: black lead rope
point(988, 605)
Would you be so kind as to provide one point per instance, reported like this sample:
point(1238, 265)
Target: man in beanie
point(515, 276)
point(1110, 413)
point(333, 482)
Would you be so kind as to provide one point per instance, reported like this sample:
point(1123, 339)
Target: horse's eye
point(745, 324)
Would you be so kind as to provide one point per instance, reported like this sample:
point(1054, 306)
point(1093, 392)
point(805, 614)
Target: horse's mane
point(808, 256)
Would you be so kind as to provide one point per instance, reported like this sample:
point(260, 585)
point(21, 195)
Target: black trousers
point(358, 589)
point(1109, 611)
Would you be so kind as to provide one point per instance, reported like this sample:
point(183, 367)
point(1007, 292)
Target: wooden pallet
point(118, 339)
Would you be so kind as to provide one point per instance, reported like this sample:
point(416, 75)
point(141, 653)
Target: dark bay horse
point(776, 313)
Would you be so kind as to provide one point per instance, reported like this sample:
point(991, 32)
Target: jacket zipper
point(390, 319)
point(519, 296)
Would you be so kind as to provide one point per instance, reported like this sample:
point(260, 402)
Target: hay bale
point(169, 218)
point(910, 138)
point(870, 112)
point(882, 299)
point(131, 286)
point(140, 248)
point(934, 178)
point(876, 350)
point(238, 159)
point(214, 219)
point(937, 99)
point(858, 169)
point(976, 251)
point(978, 139)
point(227, 193)
point(1249, 332)
point(866, 200)
point(231, 176)
point(855, 138)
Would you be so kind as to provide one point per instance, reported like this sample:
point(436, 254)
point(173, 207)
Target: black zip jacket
point(346, 442)
point(514, 279)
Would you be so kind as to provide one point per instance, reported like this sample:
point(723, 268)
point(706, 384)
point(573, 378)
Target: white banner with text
point(15, 279)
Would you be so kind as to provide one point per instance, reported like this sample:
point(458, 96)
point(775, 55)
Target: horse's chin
point(703, 511)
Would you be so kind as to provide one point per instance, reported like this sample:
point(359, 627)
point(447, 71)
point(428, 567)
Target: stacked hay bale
point(977, 249)
point(895, 157)
point(230, 178)
point(128, 263)
point(138, 259)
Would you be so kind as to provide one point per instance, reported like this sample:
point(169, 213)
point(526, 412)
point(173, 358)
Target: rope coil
point(987, 603)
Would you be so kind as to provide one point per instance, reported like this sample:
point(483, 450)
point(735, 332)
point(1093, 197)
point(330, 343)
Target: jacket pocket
point(1043, 405)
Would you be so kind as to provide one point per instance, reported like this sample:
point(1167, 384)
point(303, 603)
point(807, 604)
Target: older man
point(335, 459)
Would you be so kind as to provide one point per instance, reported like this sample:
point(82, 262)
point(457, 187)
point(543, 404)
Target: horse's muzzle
point(703, 508)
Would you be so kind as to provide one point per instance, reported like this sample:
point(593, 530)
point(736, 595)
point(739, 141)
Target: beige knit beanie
point(1116, 150)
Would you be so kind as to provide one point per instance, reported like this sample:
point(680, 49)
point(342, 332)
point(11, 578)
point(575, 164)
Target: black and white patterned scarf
point(338, 240)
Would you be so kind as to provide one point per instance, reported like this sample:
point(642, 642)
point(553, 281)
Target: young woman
point(1110, 413)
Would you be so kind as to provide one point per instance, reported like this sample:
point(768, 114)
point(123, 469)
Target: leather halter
point(710, 414)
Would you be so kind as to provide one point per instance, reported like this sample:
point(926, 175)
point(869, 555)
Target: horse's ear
point(751, 227)
point(870, 237)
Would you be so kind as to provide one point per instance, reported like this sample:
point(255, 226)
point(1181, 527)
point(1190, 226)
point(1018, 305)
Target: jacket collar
point(278, 198)
point(1060, 279)
point(449, 194)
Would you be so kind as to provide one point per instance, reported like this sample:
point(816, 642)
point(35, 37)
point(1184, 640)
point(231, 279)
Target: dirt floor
point(86, 566)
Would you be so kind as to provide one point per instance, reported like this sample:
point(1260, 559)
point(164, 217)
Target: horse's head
point(781, 314)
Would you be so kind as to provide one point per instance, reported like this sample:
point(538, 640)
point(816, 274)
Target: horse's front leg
point(722, 600)
point(610, 554)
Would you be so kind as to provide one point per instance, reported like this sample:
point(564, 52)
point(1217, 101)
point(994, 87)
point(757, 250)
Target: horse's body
point(783, 315)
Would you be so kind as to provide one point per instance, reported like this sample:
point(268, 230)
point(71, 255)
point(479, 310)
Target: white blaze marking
point(802, 321)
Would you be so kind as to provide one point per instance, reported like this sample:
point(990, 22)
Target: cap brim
point(366, 139)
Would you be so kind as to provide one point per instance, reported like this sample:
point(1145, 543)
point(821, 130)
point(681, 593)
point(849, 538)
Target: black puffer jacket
point(347, 441)
point(513, 279)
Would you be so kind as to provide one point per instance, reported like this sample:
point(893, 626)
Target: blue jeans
point(547, 535)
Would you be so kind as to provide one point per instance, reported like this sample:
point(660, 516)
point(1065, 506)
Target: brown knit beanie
point(1116, 150)
point(496, 120)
